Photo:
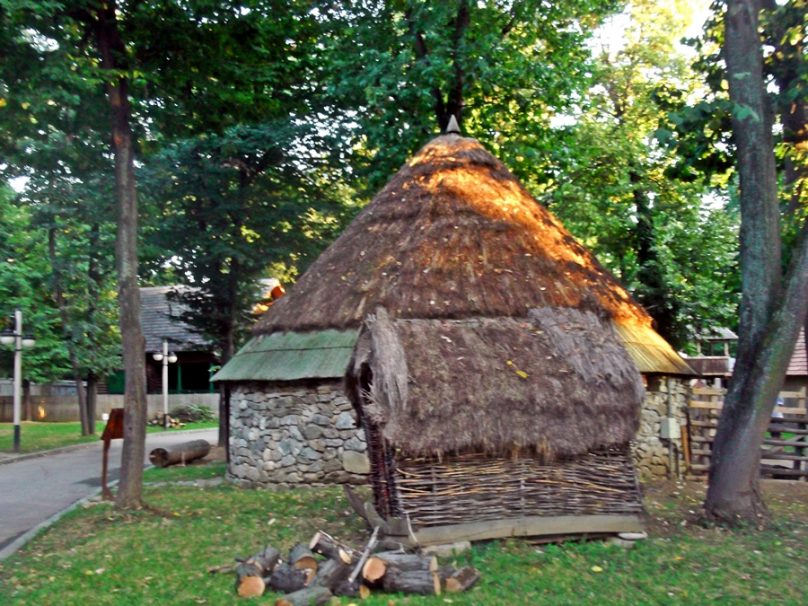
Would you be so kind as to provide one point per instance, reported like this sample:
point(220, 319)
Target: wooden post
point(112, 431)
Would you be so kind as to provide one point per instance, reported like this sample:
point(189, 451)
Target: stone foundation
point(652, 452)
point(287, 434)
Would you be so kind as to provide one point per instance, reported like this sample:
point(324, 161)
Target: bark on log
point(326, 545)
point(301, 557)
point(331, 573)
point(181, 453)
point(287, 579)
point(350, 589)
point(424, 582)
point(311, 596)
point(377, 565)
point(461, 579)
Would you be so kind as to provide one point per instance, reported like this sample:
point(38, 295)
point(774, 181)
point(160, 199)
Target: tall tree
point(504, 69)
point(773, 306)
point(613, 186)
point(71, 27)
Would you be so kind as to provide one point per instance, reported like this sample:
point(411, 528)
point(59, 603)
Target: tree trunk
point(766, 338)
point(113, 58)
point(64, 315)
point(92, 399)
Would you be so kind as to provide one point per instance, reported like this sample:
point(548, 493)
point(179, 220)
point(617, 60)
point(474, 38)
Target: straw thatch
point(452, 235)
point(557, 383)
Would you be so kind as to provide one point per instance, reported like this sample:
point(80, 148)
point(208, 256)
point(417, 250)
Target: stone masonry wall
point(287, 434)
point(651, 452)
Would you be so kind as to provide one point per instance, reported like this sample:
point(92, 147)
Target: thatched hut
point(452, 238)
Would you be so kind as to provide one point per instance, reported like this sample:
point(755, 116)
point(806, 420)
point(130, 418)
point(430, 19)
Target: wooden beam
point(528, 527)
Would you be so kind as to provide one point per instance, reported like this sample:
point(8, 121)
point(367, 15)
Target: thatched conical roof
point(454, 235)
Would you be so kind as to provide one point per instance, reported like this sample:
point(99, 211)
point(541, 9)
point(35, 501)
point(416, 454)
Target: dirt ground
point(672, 505)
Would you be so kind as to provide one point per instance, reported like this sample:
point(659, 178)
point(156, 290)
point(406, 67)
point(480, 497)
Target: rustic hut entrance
point(453, 237)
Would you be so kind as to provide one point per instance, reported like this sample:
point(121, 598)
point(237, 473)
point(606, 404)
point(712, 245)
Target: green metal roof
point(287, 356)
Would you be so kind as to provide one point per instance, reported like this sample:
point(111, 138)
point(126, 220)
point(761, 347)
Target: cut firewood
point(363, 558)
point(266, 560)
point(287, 579)
point(301, 557)
point(374, 569)
point(181, 453)
point(331, 573)
point(377, 564)
point(424, 582)
point(326, 545)
point(250, 587)
point(461, 579)
point(311, 596)
point(389, 544)
point(351, 590)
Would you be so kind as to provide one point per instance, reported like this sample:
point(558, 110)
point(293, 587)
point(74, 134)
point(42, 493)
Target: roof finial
point(453, 126)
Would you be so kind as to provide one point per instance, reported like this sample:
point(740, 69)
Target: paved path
point(32, 490)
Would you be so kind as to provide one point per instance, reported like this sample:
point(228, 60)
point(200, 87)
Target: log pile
point(325, 567)
point(158, 421)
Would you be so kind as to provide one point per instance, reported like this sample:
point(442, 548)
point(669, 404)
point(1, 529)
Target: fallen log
point(326, 545)
point(181, 453)
point(287, 579)
point(311, 596)
point(424, 582)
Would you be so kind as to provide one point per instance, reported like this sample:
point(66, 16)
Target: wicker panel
point(479, 487)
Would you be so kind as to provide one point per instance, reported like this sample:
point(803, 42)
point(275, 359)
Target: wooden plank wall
point(785, 449)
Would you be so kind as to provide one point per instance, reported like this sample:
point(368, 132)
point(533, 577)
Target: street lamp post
point(166, 358)
point(16, 337)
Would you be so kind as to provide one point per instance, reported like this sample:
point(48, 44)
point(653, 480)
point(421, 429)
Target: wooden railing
point(783, 453)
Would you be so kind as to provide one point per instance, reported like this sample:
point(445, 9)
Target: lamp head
point(158, 357)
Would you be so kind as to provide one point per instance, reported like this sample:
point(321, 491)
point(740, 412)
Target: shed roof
point(798, 366)
point(558, 383)
point(290, 356)
point(159, 319)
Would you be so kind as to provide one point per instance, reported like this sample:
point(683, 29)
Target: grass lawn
point(44, 436)
point(161, 555)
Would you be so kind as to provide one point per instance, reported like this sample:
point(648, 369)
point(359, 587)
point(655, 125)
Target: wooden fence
point(783, 453)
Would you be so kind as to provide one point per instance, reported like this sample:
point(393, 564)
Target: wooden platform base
point(529, 527)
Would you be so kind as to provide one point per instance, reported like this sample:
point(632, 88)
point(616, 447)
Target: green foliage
point(504, 69)
point(239, 202)
point(24, 284)
point(665, 234)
